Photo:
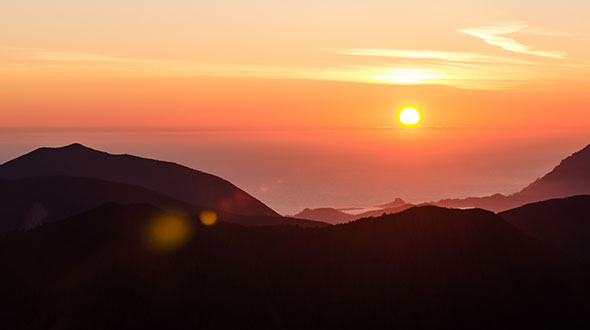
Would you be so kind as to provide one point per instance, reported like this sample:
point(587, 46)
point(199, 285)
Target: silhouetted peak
point(325, 214)
point(577, 156)
point(569, 178)
point(74, 147)
point(77, 146)
point(395, 203)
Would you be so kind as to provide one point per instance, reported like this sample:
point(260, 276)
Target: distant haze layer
point(297, 168)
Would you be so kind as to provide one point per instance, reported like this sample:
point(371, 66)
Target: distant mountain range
point(177, 181)
point(571, 177)
point(423, 268)
point(49, 184)
point(398, 202)
point(334, 216)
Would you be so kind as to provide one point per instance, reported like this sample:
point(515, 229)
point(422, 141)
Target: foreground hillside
point(425, 268)
point(564, 223)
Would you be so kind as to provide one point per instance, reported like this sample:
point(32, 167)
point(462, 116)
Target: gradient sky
point(492, 78)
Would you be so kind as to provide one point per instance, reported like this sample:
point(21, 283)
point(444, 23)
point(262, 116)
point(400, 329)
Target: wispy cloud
point(544, 32)
point(461, 69)
point(49, 55)
point(469, 57)
point(460, 75)
point(72, 63)
point(467, 69)
point(411, 76)
point(492, 34)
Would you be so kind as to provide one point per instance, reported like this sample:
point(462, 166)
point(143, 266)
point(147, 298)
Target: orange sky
point(505, 72)
point(294, 63)
point(249, 102)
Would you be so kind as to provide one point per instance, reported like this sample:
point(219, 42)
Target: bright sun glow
point(409, 116)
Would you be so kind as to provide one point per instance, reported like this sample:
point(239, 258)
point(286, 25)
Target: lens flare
point(208, 218)
point(168, 232)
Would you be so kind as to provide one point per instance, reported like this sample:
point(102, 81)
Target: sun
point(409, 116)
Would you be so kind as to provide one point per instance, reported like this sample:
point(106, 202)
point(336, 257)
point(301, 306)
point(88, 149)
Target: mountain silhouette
point(424, 268)
point(563, 223)
point(327, 214)
point(30, 202)
point(177, 181)
point(495, 203)
point(334, 216)
point(397, 202)
point(571, 177)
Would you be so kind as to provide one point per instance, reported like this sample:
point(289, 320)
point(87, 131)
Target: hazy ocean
point(297, 168)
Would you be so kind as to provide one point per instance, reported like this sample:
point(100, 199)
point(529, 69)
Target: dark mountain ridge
point(564, 223)
point(177, 181)
point(571, 177)
point(328, 214)
point(424, 268)
point(30, 202)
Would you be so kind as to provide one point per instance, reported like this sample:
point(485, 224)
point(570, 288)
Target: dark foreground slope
point(425, 268)
point(177, 181)
point(30, 202)
point(563, 223)
point(327, 214)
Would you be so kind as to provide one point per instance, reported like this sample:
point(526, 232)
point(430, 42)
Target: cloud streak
point(493, 35)
point(45, 55)
point(544, 32)
point(461, 69)
point(410, 76)
point(468, 57)
point(82, 64)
